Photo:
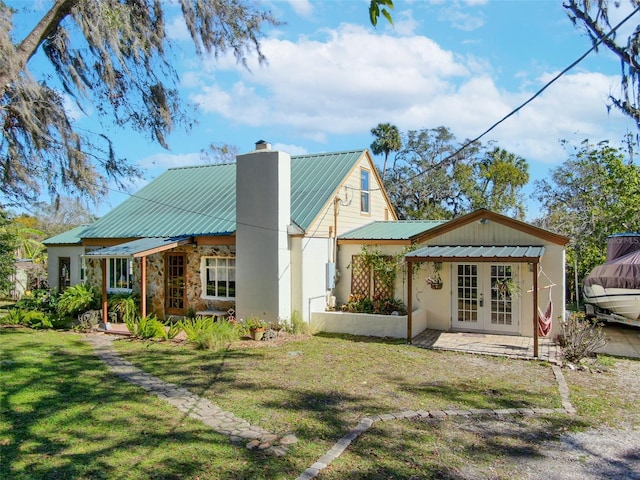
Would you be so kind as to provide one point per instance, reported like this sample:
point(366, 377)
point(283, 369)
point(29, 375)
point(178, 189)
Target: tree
point(593, 17)
point(387, 140)
point(114, 56)
point(496, 183)
point(593, 194)
point(379, 7)
point(61, 216)
point(7, 254)
point(433, 177)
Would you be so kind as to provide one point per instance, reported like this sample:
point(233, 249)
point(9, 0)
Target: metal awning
point(141, 247)
point(477, 253)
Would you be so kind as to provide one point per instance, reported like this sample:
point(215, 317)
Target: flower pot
point(436, 286)
point(256, 333)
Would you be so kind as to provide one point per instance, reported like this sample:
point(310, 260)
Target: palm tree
point(387, 140)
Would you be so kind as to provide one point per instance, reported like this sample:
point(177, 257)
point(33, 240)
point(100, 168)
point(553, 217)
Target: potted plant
point(256, 327)
point(435, 281)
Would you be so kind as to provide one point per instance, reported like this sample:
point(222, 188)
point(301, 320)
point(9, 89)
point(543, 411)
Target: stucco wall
point(394, 326)
point(54, 253)
point(437, 305)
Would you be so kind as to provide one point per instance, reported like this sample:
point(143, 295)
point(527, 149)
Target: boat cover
point(622, 244)
point(623, 272)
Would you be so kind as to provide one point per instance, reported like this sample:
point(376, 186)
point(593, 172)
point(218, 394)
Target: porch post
point(409, 301)
point(143, 286)
point(105, 308)
point(535, 309)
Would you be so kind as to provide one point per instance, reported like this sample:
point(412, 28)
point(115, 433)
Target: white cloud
point(353, 79)
point(177, 29)
point(290, 148)
point(304, 8)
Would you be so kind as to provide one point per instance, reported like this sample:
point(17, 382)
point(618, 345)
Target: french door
point(482, 299)
point(175, 292)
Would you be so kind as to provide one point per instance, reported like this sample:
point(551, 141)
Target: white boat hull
point(621, 301)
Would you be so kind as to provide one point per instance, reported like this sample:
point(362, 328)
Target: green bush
point(377, 305)
point(147, 328)
point(124, 306)
point(36, 320)
point(77, 299)
point(41, 300)
point(14, 317)
point(205, 333)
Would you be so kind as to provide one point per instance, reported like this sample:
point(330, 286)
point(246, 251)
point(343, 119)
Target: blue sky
point(331, 77)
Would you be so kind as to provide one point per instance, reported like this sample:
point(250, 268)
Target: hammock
point(544, 318)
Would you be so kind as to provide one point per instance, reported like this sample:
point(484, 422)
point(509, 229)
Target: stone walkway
point(240, 430)
point(196, 407)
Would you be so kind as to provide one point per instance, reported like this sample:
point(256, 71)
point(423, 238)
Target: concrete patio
point(486, 344)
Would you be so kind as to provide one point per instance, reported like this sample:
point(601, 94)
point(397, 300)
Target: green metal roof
point(478, 252)
point(140, 247)
point(314, 181)
point(70, 237)
point(201, 200)
point(392, 230)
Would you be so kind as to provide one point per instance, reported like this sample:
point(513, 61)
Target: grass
point(65, 416)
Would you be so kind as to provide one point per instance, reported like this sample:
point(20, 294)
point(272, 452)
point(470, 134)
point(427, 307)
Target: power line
point(535, 95)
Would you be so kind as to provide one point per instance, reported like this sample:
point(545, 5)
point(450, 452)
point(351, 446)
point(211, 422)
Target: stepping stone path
point(196, 407)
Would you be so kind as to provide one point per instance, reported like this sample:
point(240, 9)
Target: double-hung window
point(218, 277)
point(365, 206)
point(120, 274)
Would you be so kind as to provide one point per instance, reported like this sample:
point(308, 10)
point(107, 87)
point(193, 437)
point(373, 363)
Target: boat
point(612, 290)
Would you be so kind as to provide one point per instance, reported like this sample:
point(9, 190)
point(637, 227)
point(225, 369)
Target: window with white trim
point(119, 274)
point(365, 207)
point(218, 276)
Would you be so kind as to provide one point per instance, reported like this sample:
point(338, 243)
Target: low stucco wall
point(394, 326)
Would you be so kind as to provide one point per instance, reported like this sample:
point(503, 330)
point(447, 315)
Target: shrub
point(36, 320)
point(205, 333)
point(125, 307)
point(579, 337)
point(77, 299)
point(147, 328)
point(377, 305)
point(14, 317)
point(41, 300)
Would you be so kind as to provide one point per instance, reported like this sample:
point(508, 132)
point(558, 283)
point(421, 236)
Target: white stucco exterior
point(55, 252)
point(263, 251)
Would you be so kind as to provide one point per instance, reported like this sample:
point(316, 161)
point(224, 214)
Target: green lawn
point(65, 416)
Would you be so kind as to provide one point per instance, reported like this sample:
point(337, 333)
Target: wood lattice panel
point(380, 290)
point(360, 277)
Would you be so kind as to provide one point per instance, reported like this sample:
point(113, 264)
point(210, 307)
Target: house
point(492, 272)
point(273, 234)
point(258, 236)
point(65, 262)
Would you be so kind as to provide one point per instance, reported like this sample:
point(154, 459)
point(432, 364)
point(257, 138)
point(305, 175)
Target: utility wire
point(535, 95)
point(463, 147)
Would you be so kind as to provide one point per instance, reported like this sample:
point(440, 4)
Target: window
point(120, 274)
point(364, 192)
point(83, 269)
point(218, 277)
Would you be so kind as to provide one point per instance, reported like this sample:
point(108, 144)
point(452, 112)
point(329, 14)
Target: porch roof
point(477, 253)
point(391, 230)
point(140, 247)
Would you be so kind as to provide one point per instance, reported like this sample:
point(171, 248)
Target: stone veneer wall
point(156, 277)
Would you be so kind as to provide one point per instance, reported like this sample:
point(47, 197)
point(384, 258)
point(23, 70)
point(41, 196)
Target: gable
point(483, 227)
